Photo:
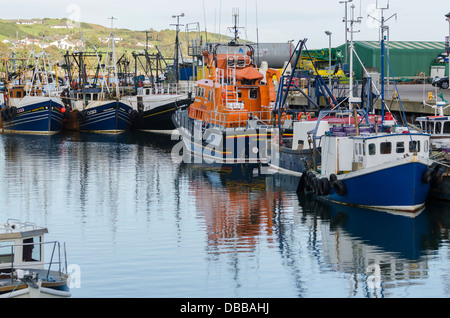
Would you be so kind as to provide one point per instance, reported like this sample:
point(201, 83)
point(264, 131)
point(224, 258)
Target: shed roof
point(405, 45)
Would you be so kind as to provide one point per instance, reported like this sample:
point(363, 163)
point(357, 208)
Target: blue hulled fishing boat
point(34, 115)
point(30, 97)
point(375, 166)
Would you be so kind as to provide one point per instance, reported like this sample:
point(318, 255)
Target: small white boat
point(438, 126)
point(24, 272)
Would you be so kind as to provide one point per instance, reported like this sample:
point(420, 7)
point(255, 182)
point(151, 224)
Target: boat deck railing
point(238, 119)
point(8, 264)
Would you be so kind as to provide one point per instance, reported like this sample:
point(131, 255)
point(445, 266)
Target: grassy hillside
point(90, 35)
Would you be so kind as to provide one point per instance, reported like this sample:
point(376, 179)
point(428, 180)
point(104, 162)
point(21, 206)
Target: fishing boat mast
point(352, 99)
point(383, 29)
point(114, 60)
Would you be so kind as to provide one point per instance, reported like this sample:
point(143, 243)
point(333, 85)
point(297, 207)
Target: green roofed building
point(407, 58)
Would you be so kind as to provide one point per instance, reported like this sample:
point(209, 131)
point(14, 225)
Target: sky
point(264, 21)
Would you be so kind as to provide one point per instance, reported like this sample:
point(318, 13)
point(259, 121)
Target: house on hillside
point(27, 21)
point(63, 25)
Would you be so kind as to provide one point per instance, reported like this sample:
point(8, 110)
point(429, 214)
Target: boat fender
point(428, 175)
point(302, 183)
point(437, 176)
point(8, 113)
point(333, 178)
point(307, 181)
point(13, 111)
point(3, 114)
point(315, 185)
point(81, 116)
point(324, 186)
point(339, 187)
point(133, 114)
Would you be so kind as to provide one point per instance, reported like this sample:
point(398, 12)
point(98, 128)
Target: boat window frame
point(7, 251)
point(250, 93)
point(385, 147)
point(400, 145)
point(411, 149)
point(372, 149)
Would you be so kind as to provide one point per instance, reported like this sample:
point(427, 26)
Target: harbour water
point(138, 224)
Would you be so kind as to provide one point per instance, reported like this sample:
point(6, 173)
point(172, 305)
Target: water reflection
point(212, 231)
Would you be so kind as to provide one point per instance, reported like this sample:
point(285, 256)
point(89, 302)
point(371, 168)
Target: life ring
point(428, 175)
point(324, 185)
point(339, 187)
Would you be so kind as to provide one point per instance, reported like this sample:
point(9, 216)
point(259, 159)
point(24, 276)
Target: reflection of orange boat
point(229, 117)
point(237, 213)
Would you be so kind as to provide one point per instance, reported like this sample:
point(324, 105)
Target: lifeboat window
point(230, 61)
point(240, 62)
point(438, 128)
point(209, 95)
point(385, 148)
point(447, 127)
point(372, 149)
point(253, 93)
point(31, 251)
point(414, 146)
point(6, 252)
point(400, 148)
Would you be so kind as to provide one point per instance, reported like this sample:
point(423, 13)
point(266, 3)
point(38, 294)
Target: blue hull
point(110, 117)
point(395, 188)
point(38, 118)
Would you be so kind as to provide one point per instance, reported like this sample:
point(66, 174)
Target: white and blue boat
point(380, 167)
point(387, 171)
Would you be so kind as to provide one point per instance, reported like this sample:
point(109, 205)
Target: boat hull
point(106, 117)
point(289, 161)
point(394, 186)
point(157, 114)
point(39, 115)
point(225, 146)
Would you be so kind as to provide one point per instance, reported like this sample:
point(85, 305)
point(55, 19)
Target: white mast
point(114, 58)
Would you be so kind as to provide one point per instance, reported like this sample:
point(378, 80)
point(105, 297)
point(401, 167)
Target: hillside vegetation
point(90, 34)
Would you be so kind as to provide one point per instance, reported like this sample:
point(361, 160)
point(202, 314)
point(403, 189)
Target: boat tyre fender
point(436, 178)
point(324, 186)
point(3, 114)
point(315, 185)
point(81, 116)
point(339, 187)
point(333, 178)
point(13, 111)
point(302, 183)
point(306, 180)
point(428, 175)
